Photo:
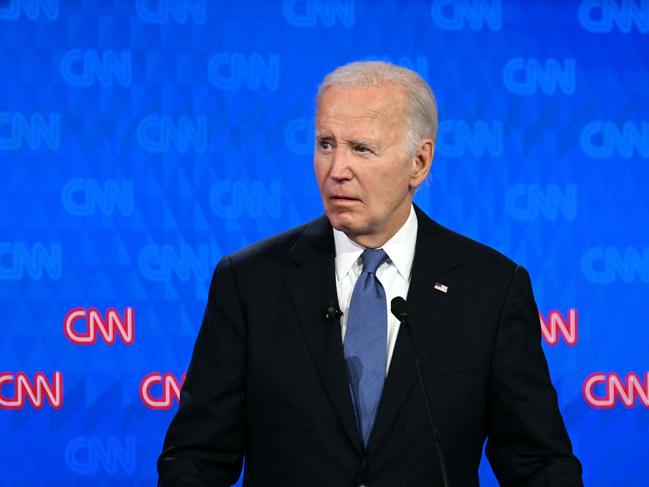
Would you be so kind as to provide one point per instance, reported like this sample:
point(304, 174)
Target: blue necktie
point(366, 341)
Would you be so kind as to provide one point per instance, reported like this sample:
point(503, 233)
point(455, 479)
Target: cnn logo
point(108, 327)
point(35, 392)
point(605, 391)
point(555, 326)
point(160, 391)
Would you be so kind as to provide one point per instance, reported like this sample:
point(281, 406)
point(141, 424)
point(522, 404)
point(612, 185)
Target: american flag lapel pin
point(441, 287)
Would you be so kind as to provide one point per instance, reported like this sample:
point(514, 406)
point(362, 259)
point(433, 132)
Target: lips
point(343, 200)
point(342, 197)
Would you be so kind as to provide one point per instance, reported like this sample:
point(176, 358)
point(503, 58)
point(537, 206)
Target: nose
point(340, 167)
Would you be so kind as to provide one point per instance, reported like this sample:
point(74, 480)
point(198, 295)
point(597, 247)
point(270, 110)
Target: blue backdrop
point(142, 140)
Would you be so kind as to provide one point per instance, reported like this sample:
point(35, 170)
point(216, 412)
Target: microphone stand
point(400, 311)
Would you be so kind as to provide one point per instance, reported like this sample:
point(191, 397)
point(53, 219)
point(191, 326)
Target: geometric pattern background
point(142, 140)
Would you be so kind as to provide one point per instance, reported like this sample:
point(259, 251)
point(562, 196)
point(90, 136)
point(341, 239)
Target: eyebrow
point(323, 135)
point(365, 142)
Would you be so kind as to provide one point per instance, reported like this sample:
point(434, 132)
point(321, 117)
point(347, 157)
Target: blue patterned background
point(142, 140)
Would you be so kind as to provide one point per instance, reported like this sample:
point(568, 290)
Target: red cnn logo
point(36, 392)
point(629, 390)
point(170, 390)
point(556, 326)
point(109, 327)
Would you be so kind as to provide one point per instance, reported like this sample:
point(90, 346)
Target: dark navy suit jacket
point(267, 378)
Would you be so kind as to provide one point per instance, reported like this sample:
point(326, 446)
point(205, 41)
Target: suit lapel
point(429, 310)
point(311, 285)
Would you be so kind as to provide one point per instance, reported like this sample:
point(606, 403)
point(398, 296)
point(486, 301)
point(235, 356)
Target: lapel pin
point(441, 287)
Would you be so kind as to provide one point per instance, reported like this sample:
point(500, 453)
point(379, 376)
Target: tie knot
point(372, 259)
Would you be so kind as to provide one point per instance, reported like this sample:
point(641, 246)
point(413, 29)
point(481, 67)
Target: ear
point(421, 162)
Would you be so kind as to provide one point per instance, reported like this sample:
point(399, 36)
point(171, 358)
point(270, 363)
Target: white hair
point(421, 108)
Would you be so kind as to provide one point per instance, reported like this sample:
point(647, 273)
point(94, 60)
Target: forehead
point(341, 106)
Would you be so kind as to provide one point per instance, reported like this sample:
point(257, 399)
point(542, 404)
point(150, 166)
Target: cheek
point(384, 185)
point(389, 190)
point(320, 171)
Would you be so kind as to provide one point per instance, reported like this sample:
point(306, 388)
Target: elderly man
point(301, 368)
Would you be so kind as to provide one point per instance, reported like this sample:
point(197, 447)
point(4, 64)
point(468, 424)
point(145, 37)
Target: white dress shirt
point(394, 273)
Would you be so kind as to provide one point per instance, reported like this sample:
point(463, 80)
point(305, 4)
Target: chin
point(342, 222)
point(346, 224)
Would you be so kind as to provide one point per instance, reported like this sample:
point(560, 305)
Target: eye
point(325, 145)
point(361, 149)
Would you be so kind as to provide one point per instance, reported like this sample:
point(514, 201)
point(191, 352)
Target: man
point(312, 397)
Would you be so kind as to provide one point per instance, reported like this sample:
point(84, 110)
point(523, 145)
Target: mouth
point(341, 199)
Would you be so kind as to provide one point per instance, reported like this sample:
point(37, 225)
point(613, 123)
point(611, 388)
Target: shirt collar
point(400, 248)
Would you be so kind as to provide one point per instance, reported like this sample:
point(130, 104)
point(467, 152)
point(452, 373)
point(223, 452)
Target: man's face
point(364, 174)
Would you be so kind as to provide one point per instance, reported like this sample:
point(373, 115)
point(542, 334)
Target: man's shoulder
point(480, 266)
point(474, 254)
point(277, 247)
point(474, 250)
